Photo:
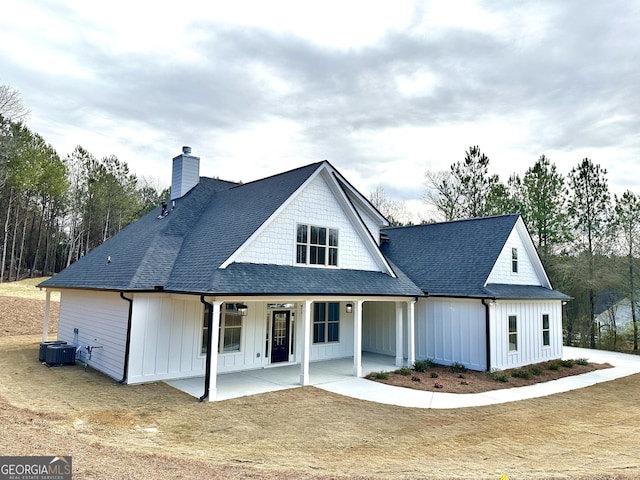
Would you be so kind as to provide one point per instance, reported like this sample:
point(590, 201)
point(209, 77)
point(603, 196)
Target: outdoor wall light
point(242, 309)
point(349, 308)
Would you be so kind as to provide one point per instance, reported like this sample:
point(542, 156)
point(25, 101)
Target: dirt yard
point(156, 432)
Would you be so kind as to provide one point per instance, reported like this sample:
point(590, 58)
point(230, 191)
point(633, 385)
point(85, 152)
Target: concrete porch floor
point(271, 379)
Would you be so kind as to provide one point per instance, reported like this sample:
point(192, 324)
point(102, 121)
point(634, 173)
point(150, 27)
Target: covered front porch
point(253, 382)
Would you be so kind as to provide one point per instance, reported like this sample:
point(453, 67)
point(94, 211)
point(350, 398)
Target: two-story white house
point(296, 268)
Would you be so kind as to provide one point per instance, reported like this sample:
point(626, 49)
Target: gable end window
point(326, 322)
point(316, 245)
point(513, 333)
point(546, 336)
point(514, 260)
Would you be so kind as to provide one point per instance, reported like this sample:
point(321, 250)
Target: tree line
point(586, 238)
point(55, 210)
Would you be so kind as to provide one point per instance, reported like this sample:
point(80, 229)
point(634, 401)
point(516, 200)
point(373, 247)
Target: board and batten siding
point(166, 333)
point(502, 272)
point(379, 328)
point(530, 347)
point(101, 319)
point(314, 205)
point(451, 330)
point(252, 341)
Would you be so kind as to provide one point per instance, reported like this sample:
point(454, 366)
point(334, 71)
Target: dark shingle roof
point(455, 258)
point(183, 251)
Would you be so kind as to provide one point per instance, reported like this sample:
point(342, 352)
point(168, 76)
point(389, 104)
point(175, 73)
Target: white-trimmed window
point(546, 330)
point(513, 333)
point(316, 245)
point(230, 330)
point(514, 260)
point(326, 322)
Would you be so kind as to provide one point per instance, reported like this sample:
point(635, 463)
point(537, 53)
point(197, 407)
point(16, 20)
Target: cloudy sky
point(384, 90)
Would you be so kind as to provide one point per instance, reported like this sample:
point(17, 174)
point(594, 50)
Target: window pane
point(233, 320)
point(313, 255)
point(513, 323)
point(333, 334)
point(333, 256)
point(321, 256)
point(333, 237)
point(319, 312)
point(314, 235)
point(334, 312)
point(545, 338)
point(231, 339)
point(322, 236)
point(513, 342)
point(545, 321)
point(302, 234)
point(318, 332)
point(301, 254)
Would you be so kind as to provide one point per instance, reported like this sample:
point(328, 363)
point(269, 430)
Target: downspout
point(207, 374)
point(127, 345)
point(488, 329)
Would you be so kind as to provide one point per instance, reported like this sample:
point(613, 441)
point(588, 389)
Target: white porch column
point(399, 336)
point(411, 333)
point(306, 344)
point(357, 339)
point(215, 341)
point(47, 314)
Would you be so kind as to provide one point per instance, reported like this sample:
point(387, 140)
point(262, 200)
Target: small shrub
point(434, 375)
point(457, 367)
point(422, 365)
point(582, 361)
point(405, 371)
point(535, 370)
point(416, 379)
point(568, 363)
point(521, 373)
point(438, 384)
point(555, 365)
point(381, 375)
point(498, 376)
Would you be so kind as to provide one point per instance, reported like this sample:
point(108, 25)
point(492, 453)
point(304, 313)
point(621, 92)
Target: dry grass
point(153, 431)
point(27, 289)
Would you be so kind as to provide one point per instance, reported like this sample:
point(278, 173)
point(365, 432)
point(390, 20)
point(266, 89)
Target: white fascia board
point(361, 200)
point(329, 174)
point(275, 214)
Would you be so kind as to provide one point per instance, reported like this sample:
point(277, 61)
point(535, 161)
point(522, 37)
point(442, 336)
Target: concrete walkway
point(362, 389)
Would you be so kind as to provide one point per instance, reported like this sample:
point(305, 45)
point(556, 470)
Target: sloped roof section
point(455, 259)
point(181, 251)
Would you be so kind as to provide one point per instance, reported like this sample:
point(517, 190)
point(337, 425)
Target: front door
point(280, 337)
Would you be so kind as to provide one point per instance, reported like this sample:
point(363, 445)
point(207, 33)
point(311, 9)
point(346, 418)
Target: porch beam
point(47, 315)
point(357, 339)
point(213, 357)
point(411, 329)
point(306, 344)
point(399, 336)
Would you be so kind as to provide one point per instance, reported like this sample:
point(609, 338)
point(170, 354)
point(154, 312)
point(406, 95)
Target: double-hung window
point(514, 260)
point(316, 245)
point(326, 322)
point(513, 333)
point(230, 329)
point(546, 335)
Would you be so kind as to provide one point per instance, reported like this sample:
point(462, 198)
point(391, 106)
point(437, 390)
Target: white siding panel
point(315, 205)
point(379, 328)
point(530, 348)
point(502, 273)
point(451, 330)
point(101, 319)
point(166, 332)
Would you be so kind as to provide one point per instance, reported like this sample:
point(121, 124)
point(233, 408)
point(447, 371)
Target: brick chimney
point(186, 173)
